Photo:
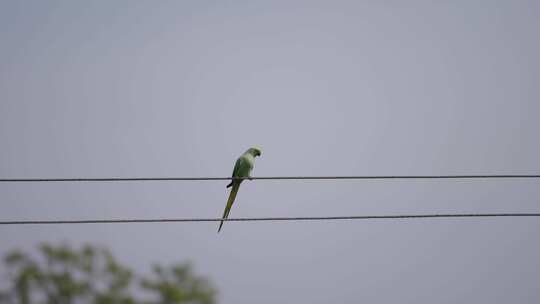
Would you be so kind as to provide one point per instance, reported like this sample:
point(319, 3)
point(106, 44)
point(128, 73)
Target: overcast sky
point(179, 88)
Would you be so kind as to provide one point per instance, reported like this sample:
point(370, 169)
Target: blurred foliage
point(63, 275)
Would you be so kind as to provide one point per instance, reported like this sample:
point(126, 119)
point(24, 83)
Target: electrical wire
point(358, 177)
point(268, 219)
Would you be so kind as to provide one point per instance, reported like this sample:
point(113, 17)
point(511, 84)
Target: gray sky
point(178, 88)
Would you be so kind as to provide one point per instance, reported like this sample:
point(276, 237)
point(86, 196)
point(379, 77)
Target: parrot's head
point(255, 151)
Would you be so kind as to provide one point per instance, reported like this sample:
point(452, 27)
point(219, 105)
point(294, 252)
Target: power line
point(267, 219)
point(359, 177)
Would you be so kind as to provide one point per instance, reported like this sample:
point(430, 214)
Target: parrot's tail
point(230, 201)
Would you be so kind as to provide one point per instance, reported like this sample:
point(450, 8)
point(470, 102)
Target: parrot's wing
point(237, 169)
point(240, 163)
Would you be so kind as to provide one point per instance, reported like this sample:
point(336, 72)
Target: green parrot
point(242, 168)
